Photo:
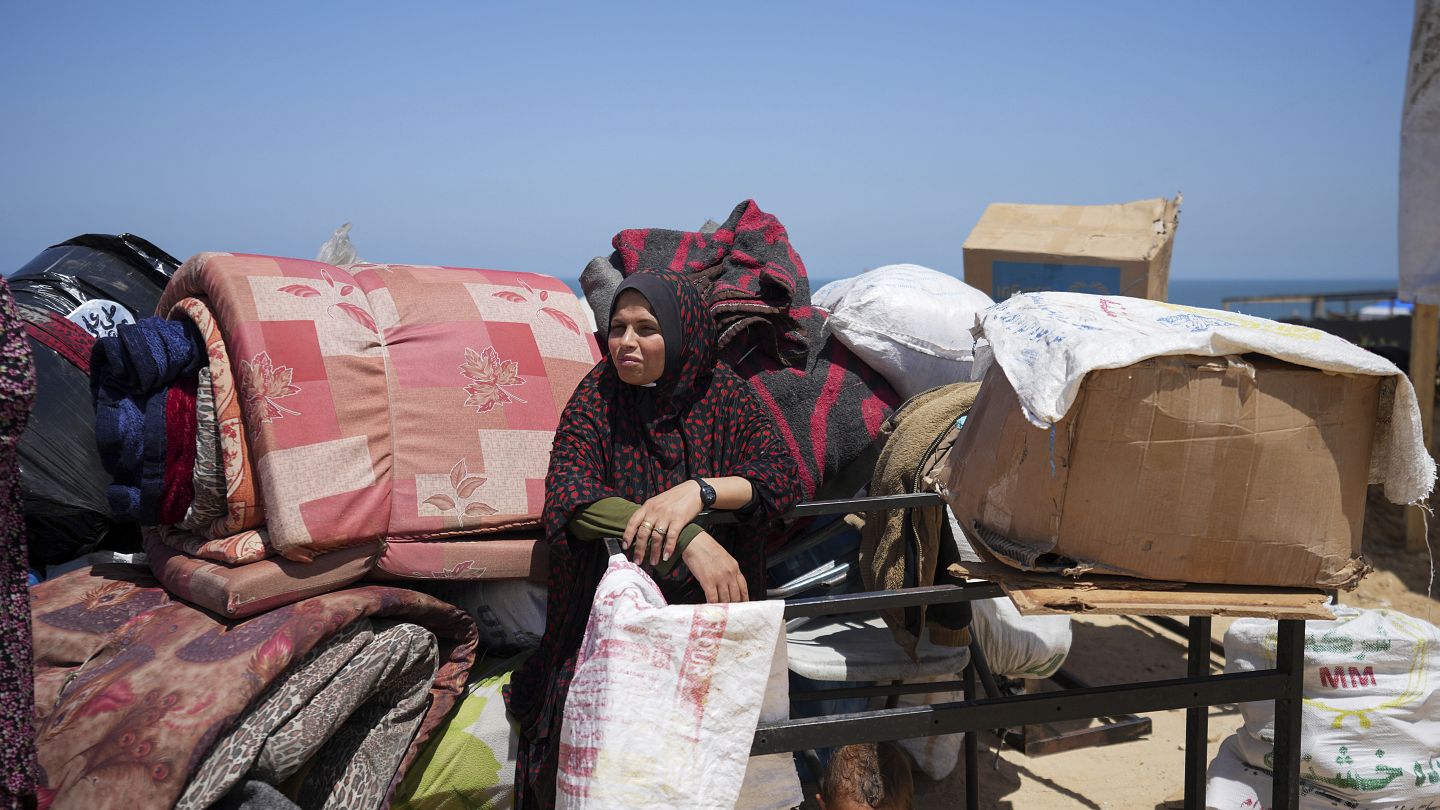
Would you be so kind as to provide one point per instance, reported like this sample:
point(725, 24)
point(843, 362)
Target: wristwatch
point(707, 493)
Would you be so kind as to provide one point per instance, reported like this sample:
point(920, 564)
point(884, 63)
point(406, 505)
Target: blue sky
point(522, 136)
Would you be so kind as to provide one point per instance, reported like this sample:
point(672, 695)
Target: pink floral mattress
point(392, 401)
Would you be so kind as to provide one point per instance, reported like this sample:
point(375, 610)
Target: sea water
point(1209, 292)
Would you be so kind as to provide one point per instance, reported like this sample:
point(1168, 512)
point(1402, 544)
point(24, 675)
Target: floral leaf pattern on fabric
point(301, 290)
point(459, 499)
point(489, 376)
point(271, 659)
point(561, 318)
point(333, 296)
point(263, 383)
point(543, 295)
point(441, 502)
point(357, 314)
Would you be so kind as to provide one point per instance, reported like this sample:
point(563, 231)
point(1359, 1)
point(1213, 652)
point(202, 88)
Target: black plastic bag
point(124, 269)
point(109, 279)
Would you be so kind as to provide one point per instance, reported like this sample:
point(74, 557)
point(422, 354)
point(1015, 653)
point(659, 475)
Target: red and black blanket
point(827, 404)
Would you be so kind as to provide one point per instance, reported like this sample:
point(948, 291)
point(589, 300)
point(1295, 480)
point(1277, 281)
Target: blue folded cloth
point(130, 376)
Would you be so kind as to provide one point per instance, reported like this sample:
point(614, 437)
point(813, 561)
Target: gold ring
point(647, 524)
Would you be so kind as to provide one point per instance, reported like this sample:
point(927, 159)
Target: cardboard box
point(1101, 249)
point(1195, 469)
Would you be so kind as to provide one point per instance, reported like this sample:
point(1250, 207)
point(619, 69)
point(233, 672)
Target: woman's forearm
point(731, 491)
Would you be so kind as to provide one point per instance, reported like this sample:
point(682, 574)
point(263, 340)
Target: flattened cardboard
point(1103, 249)
point(1193, 469)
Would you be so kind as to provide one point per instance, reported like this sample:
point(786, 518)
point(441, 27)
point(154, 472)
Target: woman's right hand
point(715, 570)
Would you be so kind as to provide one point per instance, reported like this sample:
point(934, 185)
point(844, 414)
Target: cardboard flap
point(1129, 231)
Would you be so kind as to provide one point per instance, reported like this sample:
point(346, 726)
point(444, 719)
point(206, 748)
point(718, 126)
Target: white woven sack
point(1020, 646)
point(665, 699)
point(909, 323)
point(1231, 784)
point(1370, 726)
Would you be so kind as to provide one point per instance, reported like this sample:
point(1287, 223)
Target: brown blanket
point(134, 690)
point(899, 547)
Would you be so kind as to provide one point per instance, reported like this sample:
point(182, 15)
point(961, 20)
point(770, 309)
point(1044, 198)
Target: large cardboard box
point(1101, 249)
point(1197, 469)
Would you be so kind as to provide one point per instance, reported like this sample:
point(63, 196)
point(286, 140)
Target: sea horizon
point(1211, 292)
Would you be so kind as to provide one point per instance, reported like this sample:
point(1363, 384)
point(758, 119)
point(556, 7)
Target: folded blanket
point(828, 410)
point(346, 712)
point(518, 555)
point(899, 547)
point(208, 479)
point(133, 690)
point(154, 436)
point(179, 471)
point(129, 373)
point(750, 276)
point(826, 403)
point(243, 506)
point(245, 589)
point(237, 549)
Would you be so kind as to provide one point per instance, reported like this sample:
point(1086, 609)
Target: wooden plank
point(1192, 600)
point(1424, 336)
point(1038, 593)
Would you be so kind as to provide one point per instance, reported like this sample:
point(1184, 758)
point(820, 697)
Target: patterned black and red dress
point(633, 442)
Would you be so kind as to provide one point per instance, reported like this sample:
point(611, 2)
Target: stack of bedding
point(284, 429)
point(289, 426)
point(146, 701)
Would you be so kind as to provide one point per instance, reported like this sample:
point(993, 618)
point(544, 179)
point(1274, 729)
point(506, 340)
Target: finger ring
point(662, 529)
point(647, 524)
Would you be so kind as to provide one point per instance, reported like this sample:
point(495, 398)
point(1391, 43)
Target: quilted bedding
point(523, 555)
point(395, 401)
point(243, 509)
point(142, 700)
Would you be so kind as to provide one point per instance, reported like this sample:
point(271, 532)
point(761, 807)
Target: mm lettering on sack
point(1335, 679)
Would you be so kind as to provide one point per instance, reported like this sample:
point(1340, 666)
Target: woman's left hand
point(655, 527)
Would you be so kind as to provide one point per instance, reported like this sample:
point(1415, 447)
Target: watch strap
point(707, 492)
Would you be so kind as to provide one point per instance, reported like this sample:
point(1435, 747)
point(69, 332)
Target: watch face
point(707, 494)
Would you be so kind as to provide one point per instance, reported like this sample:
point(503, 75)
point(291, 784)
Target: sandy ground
point(1148, 773)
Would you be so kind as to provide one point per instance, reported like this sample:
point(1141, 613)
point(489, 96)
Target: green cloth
point(608, 517)
point(469, 764)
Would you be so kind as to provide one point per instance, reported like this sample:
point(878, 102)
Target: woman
point(656, 432)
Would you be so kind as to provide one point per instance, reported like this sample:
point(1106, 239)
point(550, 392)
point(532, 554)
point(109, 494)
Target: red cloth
point(827, 404)
point(180, 429)
point(67, 338)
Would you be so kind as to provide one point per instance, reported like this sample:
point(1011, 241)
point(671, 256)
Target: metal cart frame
point(1195, 693)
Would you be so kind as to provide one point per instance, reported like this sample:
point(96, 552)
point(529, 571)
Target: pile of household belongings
point(284, 428)
point(287, 428)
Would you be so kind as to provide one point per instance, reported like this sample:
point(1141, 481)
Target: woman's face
point(636, 346)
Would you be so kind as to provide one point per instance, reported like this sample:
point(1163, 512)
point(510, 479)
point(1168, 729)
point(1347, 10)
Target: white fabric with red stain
point(665, 700)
